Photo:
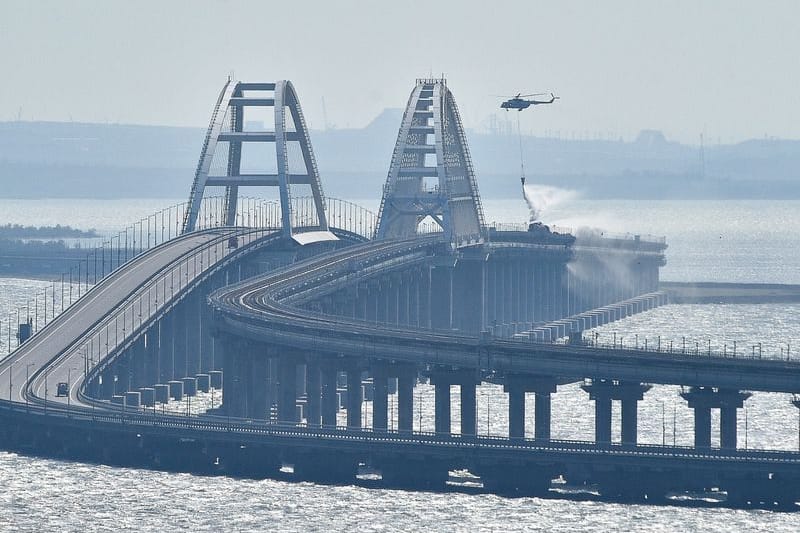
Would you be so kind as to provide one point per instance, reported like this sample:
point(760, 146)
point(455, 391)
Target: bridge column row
point(521, 292)
point(505, 292)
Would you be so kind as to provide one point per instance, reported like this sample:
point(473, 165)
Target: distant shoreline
point(729, 293)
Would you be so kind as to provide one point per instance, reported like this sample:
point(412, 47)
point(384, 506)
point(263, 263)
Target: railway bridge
point(302, 312)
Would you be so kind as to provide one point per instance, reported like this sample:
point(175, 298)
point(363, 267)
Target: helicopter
point(519, 101)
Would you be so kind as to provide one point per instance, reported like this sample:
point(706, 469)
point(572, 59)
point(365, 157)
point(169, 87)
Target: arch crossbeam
point(431, 174)
point(237, 153)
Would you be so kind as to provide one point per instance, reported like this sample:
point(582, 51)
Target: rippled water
point(42, 496)
point(724, 241)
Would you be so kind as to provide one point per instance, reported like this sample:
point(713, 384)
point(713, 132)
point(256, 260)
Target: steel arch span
point(431, 179)
point(236, 152)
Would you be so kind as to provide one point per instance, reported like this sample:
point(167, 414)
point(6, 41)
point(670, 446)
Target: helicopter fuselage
point(516, 103)
point(520, 103)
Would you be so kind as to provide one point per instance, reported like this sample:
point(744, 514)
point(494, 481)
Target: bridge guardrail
point(144, 418)
point(153, 230)
point(641, 346)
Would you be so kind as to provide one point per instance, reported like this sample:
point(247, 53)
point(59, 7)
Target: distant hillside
point(109, 160)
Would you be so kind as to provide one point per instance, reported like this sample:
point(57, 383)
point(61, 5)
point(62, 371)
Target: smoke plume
point(542, 197)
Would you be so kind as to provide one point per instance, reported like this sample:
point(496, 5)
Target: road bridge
point(289, 318)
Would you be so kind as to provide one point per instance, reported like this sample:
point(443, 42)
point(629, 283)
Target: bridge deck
point(265, 309)
point(108, 316)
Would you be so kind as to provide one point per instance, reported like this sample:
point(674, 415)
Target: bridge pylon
point(431, 174)
point(258, 137)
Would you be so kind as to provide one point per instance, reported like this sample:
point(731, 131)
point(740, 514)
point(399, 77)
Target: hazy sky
point(728, 68)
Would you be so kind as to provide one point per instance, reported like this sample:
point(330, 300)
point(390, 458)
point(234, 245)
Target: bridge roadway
point(110, 315)
point(267, 309)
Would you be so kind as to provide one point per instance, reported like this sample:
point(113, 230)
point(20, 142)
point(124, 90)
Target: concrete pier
point(602, 392)
point(380, 398)
point(442, 379)
point(405, 401)
point(287, 390)
point(161, 391)
point(329, 399)
point(189, 386)
point(354, 398)
point(133, 399)
point(216, 378)
point(203, 382)
point(517, 386)
point(148, 396)
point(175, 389)
point(702, 400)
point(313, 393)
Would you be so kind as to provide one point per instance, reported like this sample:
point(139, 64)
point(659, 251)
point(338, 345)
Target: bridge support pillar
point(442, 379)
point(542, 413)
point(233, 390)
point(193, 310)
point(516, 386)
point(441, 297)
point(180, 334)
point(108, 385)
point(702, 400)
point(330, 404)
point(442, 421)
point(603, 391)
point(629, 420)
point(468, 409)
point(287, 385)
point(165, 348)
point(313, 393)
point(354, 398)
point(152, 369)
point(468, 294)
point(405, 402)
point(123, 371)
point(138, 358)
point(516, 413)
point(206, 338)
point(259, 401)
point(727, 427)
point(380, 399)
point(602, 420)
